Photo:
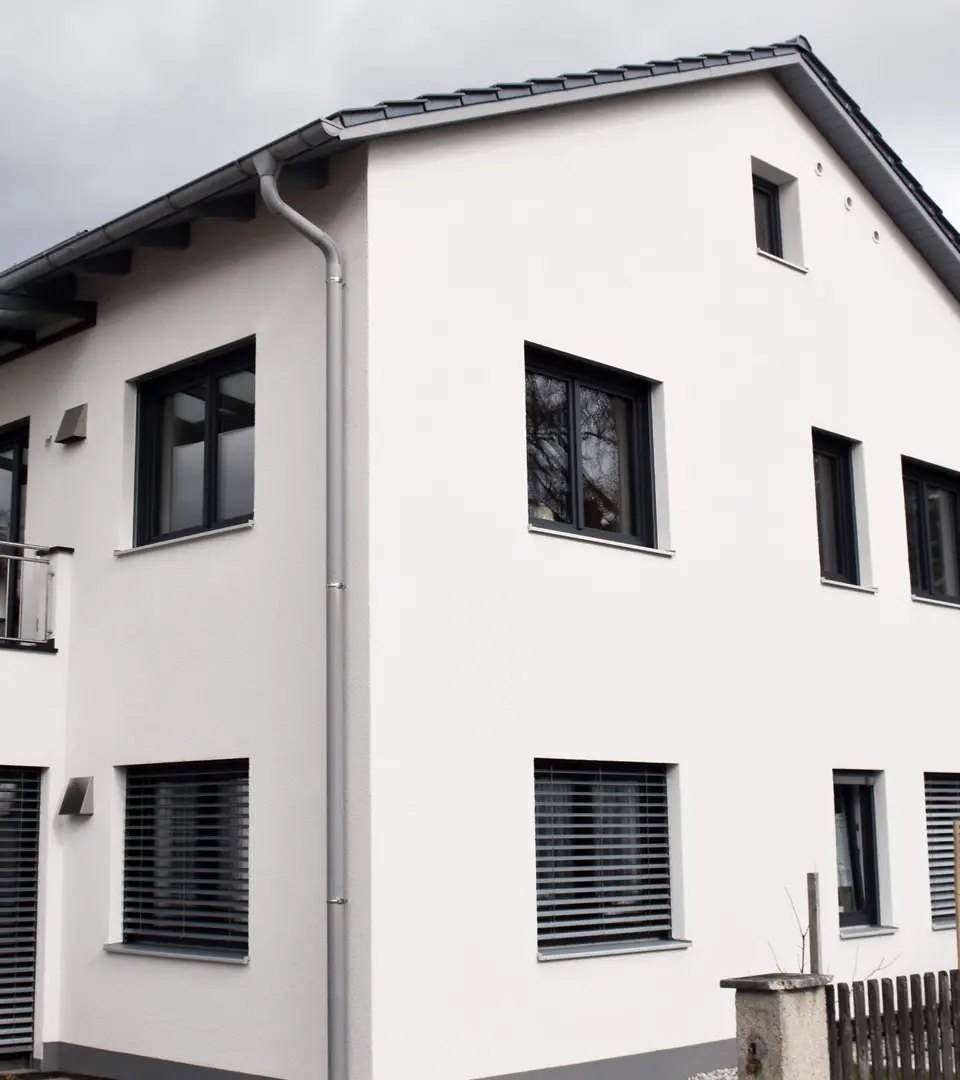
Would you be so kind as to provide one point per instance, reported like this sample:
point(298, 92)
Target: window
point(930, 497)
point(942, 791)
point(766, 214)
point(195, 446)
point(836, 524)
point(603, 855)
point(185, 881)
point(855, 825)
point(589, 458)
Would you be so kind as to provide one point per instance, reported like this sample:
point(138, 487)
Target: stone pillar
point(781, 1027)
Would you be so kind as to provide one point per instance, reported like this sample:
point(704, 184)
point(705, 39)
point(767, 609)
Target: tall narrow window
point(931, 501)
point(766, 215)
point(186, 881)
point(603, 855)
point(942, 792)
point(589, 459)
point(836, 519)
point(856, 836)
point(196, 446)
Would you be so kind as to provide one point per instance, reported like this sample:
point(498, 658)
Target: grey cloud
point(110, 103)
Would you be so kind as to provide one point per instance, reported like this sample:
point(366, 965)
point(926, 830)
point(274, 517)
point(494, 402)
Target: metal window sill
point(560, 953)
point(851, 932)
point(848, 585)
point(242, 527)
point(782, 262)
point(936, 603)
point(666, 552)
point(173, 954)
point(20, 645)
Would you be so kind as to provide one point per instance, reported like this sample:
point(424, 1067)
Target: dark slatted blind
point(603, 859)
point(943, 808)
point(186, 878)
point(19, 859)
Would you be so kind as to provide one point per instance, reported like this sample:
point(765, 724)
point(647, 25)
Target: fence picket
point(833, 1036)
point(877, 1069)
point(889, 1019)
point(860, 1030)
point(946, 1027)
point(916, 1016)
point(903, 1029)
point(934, 1063)
point(955, 1012)
point(846, 1041)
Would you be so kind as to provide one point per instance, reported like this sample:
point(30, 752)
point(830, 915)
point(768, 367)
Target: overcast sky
point(109, 103)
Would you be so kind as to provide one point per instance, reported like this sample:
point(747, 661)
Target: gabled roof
point(38, 297)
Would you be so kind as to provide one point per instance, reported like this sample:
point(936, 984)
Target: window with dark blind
point(932, 503)
point(942, 791)
point(186, 880)
point(603, 855)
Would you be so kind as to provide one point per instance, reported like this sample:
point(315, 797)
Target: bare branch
point(774, 955)
point(804, 933)
point(882, 966)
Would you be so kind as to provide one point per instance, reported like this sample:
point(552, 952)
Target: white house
point(575, 761)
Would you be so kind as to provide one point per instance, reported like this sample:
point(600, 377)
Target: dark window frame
point(577, 372)
point(619, 876)
point(15, 437)
point(771, 192)
point(845, 515)
point(152, 391)
point(186, 879)
point(926, 475)
point(858, 793)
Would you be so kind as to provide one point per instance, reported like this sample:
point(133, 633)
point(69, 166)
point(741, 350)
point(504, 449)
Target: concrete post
point(781, 1027)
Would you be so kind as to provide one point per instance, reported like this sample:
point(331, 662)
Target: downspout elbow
point(268, 169)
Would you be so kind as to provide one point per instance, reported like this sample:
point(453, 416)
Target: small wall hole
point(819, 168)
point(848, 203)
point(876, 237)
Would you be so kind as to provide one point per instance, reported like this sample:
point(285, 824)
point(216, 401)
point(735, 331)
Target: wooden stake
point(813, 920)
point(956, 881)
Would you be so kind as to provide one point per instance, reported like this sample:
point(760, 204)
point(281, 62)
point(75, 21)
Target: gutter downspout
point(268, 169)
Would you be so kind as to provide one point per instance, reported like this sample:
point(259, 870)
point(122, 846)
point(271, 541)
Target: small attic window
point(776, 213)
point(766, 214)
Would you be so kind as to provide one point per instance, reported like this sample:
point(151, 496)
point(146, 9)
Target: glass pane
point(825, 474)
point(548, 448)
point(942, 524)
point(911, 499)
point(605, 449)
point(237, 398)
point(763, 211)
point(182, 460)
point(846, 853)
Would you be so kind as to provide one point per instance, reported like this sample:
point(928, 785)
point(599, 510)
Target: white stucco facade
point(619, 231)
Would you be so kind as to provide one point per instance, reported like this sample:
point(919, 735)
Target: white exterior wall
point(623, 232)
point(206, 649)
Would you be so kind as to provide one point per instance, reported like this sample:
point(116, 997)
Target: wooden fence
point(903, 1029)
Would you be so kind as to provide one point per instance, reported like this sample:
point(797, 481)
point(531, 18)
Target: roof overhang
point(38, 297)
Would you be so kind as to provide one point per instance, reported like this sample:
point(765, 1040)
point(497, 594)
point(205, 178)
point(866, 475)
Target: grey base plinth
point(781, 1026)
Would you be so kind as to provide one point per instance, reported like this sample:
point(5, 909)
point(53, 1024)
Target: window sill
point(583, 538)
point(173, 954)
point(850, 932)
point(242, 527)
point(936, 603)
point(549, 955)
point(48, 646)
point(848, 585)
point(782, 262)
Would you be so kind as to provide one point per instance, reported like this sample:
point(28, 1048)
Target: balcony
point(27, 577)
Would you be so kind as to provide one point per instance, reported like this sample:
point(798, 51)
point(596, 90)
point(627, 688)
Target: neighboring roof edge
point(61, 256)
point(793, 63)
